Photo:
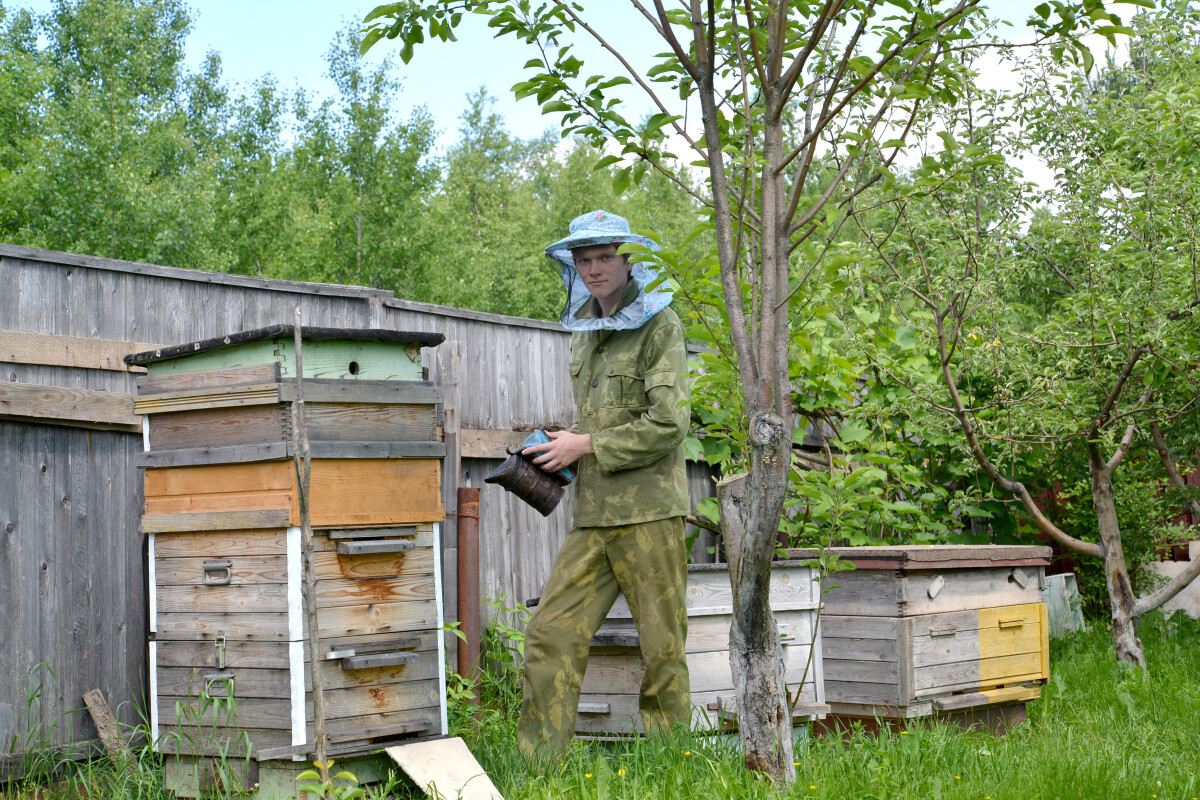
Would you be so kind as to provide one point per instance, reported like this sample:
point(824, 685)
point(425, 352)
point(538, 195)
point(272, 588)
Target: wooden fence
point(73, 604)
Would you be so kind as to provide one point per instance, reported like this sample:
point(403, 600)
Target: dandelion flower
point(904, 733)
point(621, 771)
point(587, 774)
point(958, 777)
point(812, 788)
point(795, 763)
point(687, 752)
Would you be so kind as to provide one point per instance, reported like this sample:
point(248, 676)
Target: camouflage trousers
point(648, 563)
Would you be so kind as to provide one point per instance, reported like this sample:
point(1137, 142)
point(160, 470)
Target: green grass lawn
point(1099, 732)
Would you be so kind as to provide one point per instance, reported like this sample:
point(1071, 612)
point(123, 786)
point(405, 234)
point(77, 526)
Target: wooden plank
point(369, 422)
point(274, 451)
point(243, 654)
point(871, 711)
point(373, 547)
point(251, 394)
point(220, 502)
point(376, 491)
point(192, 625)
point(341, 621)
point(243, 570)
point(273, 597)
point(1011, 694)
point(858, 649)
point(835, 626)
point(220, 427)
point(367, 705)
point(233, 478)
point(372, 533)
point(228, 743)
point(928, 652)
point(364, 662)
point(208, 378)
point(234, 454)
point(331, 450)
point(475, 443)
point(501, 321)
point(215, 521)
point(871, 593)
point(192, 545)
point(381, 565)
point(856, 671)
point(967, 589)
point(58, 405)
point(276, 683)
point(176, 274)
point(110, 732)
point(971, 674)
point(345, 391)
point(20, 347)
point(859, 692)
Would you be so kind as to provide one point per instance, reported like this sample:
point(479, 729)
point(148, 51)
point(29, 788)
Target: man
point(629, 377)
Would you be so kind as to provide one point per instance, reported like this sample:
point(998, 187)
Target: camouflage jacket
point(631, 392)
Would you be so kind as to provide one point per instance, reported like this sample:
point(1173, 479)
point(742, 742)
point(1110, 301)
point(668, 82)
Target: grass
point(1100, 731)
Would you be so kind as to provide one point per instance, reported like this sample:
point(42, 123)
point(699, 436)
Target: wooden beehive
point(608, 702)
point(918, 630)
point(229, 652)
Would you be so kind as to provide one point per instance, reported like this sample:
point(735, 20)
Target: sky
point(290, 39)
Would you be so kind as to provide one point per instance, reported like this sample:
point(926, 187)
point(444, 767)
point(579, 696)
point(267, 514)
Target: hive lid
point(314, 334)
point(937, 556)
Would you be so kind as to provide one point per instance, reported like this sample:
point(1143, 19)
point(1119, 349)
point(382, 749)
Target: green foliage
point(110, 146)
point(322, 782)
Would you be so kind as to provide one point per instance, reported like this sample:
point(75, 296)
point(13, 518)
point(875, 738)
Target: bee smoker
point(519, 475)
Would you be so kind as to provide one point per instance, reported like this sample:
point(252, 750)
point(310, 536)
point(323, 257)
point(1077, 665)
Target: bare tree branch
point(1013, 487)
point(1115, 393)
point(1127, 439)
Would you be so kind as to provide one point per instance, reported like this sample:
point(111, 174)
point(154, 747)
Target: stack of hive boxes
point(950, 629)
point(229, 641)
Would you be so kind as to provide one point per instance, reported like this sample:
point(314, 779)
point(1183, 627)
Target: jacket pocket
point(624, 387)
point(574, 367)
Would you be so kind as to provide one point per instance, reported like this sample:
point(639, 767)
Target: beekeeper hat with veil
point(596, 228)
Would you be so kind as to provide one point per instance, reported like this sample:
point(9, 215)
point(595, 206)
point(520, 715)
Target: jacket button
point(595, 383)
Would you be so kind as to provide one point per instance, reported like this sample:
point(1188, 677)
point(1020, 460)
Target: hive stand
point(231, 694)
point(954, 630)
point(608, 703)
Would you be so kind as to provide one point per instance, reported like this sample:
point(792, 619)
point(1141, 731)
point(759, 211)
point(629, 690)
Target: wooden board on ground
point(445, 768)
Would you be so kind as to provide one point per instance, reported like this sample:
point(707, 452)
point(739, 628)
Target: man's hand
point(563, 450)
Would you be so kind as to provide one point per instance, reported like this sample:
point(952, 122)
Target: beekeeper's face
point(603, 270)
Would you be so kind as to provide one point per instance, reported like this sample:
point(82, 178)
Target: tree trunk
point(1121, 598)
point(750, 510)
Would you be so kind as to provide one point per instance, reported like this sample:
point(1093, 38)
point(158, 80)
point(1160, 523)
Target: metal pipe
point(468, 585)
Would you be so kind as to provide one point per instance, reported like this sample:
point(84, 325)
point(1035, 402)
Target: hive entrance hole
point(353, 367)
